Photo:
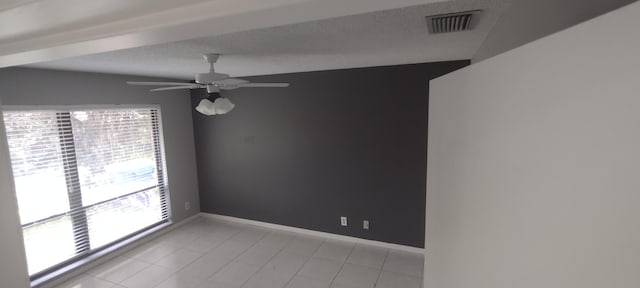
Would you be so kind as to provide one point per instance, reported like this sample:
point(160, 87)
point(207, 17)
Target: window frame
point(89, 254)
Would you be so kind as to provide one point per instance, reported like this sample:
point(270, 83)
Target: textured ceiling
point(389, 37)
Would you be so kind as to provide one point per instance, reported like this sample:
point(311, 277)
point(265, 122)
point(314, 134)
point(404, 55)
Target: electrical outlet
point(187, 205)
point(365, 224)
point(343, 221)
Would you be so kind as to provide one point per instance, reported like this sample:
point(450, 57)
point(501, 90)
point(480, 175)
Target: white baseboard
point(315, 233)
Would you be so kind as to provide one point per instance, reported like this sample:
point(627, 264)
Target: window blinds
point(85, 179)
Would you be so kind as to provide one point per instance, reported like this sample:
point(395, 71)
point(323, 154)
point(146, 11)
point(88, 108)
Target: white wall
point(529, 20)
point(534, 164)
point(13, 266)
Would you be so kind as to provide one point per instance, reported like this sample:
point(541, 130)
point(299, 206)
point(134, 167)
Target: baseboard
point(315, 233)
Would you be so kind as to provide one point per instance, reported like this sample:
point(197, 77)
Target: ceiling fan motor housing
point(208, 78)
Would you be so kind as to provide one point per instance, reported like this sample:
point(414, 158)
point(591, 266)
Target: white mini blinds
point(85, 179)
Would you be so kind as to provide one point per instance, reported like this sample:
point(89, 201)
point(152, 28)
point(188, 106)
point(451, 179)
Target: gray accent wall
point(22, 86)
point(336, 143)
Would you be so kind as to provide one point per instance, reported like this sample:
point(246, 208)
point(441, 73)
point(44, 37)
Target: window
point(85, 179)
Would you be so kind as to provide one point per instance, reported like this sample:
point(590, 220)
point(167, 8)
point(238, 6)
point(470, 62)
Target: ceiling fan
point(213, 82)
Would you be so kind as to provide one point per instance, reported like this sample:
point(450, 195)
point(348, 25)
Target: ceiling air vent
point(453, 22)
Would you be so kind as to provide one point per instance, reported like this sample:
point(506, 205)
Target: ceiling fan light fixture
point(219, 106)
point(223, 105)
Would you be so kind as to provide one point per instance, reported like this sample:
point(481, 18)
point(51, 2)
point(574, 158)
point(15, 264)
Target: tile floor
point(214, 254)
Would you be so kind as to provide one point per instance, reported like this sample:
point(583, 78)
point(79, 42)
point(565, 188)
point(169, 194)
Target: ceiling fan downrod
point(211, 58)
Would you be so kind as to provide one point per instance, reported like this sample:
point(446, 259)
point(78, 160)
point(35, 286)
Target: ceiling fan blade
point(159, 83)
point(274, 85)
point(176, 88)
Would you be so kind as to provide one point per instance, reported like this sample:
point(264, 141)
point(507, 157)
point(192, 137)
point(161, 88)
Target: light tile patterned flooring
point(205, 253)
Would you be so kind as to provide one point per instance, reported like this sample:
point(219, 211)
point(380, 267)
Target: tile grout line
point(84, 274)
point(271, 258)
point(197, 258)
point(245, 251)
point(212, 248)
point(305, 262)
point(382, 267)
point(344, 262)
point(230, 260)
point(175, 272)
point(240, 229)
point(152, 265)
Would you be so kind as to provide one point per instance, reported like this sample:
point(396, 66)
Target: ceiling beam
point(201, 19)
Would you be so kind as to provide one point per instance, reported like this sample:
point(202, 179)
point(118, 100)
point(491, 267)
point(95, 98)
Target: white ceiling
point(396, 36)
point(33, 31)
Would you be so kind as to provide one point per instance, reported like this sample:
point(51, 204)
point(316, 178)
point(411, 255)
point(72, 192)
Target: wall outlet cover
point(187, 205)
point(365, 224)
point(343, 221)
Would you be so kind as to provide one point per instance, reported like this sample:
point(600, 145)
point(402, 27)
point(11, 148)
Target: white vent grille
point(454, 22)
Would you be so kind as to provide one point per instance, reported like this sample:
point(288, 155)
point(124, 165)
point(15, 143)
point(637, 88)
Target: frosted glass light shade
point(219, 106)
